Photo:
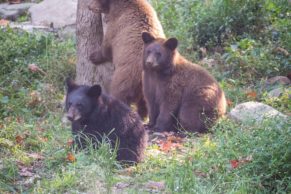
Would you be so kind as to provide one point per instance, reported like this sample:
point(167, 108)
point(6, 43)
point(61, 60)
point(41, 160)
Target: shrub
point(254, 36)
point(22, 90)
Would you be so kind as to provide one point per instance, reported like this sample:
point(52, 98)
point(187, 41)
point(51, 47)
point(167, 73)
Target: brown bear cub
point(96, 114)
point(123, 46)
point(178, 93)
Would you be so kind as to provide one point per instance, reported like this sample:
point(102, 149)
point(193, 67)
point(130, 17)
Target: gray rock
point(59, 13)
point(28, 27)
point(254, 112)
point(276, 93)
point(278, 80)
point(13, 11)
point(210, 63)
point(67, 32)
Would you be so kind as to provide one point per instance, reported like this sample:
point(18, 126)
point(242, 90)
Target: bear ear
point(95, 91)
point(70, 85)
point(171, 43)
point(147, 37)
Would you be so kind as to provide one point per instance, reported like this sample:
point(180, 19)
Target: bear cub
point(96, 114)
point(178, 93)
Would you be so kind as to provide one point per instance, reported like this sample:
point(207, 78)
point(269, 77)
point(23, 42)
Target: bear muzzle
point(73, 114)
point(151, 62)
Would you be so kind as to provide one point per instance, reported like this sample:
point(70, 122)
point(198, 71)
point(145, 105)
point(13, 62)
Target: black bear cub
point(177, 91)
point(96, 114)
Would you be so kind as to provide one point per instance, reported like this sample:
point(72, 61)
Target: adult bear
point(123, 46)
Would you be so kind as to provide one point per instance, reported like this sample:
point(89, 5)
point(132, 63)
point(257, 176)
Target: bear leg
point(141, 108)
point(97, 57)
point(194, 118)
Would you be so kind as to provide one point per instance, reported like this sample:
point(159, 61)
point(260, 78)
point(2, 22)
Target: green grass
point(34, 150)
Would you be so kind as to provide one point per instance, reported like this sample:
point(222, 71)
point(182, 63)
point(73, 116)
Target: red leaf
point(19, 139)
point(71, 157)
point(251, 94)
point(229, 102)
point(234, 163)
point(4, 22)
point(166, 146)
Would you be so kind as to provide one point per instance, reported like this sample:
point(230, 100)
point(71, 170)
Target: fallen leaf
point(155, 185)
point(251, 94)
point(229, 102)
point(25, 170)
point(25, 173)
point(4, 22)
point(35, 98)
point(127, 171)
point(71, 157)
point(234, 163)
point(175, 139)
point(19, 139)
point(36, 156)
point(70, 142)
point(43, 139)
point(72, 60)
point(122, 185)
point(246, 159)
point(166, 146)
point(34, 68)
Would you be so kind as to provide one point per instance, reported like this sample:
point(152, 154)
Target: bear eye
point(79, 105)
point(148, 52)
point(158, 54)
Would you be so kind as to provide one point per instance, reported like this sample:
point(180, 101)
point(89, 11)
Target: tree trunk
point(89, 34)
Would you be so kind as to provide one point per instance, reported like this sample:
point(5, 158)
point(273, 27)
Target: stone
point(254, 112)
point(28, 27)
point(13, 11)
point(278, 92)
point(68, 32)
point(210, 63)
point(278, 80)
point(54, 12)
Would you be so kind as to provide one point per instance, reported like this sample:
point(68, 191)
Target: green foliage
point(248, 55)
point(21, 89)
point(255, 36)
point(247, 33)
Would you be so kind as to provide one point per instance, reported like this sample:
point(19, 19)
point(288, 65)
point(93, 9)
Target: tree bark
point(89, 32)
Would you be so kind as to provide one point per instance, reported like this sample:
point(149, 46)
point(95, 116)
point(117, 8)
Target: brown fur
point(178, 91)
point(122, 45)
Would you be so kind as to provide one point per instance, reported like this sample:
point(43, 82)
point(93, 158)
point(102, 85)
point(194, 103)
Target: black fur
point(97, 114)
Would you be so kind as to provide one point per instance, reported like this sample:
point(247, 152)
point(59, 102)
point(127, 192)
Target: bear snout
point(73, 115)
point(149, 64)
point(151, 61)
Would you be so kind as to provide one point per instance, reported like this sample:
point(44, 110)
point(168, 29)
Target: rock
point(155, 186)
point(13, 11)
point(210, 63)
point(250, 112)
point(62, 33)
point(277, 92)
point(278, 80)
point(67, 32)
point(56, 12)
point(28, 27)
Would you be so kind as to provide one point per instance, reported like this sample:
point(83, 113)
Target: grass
point(36, 156)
